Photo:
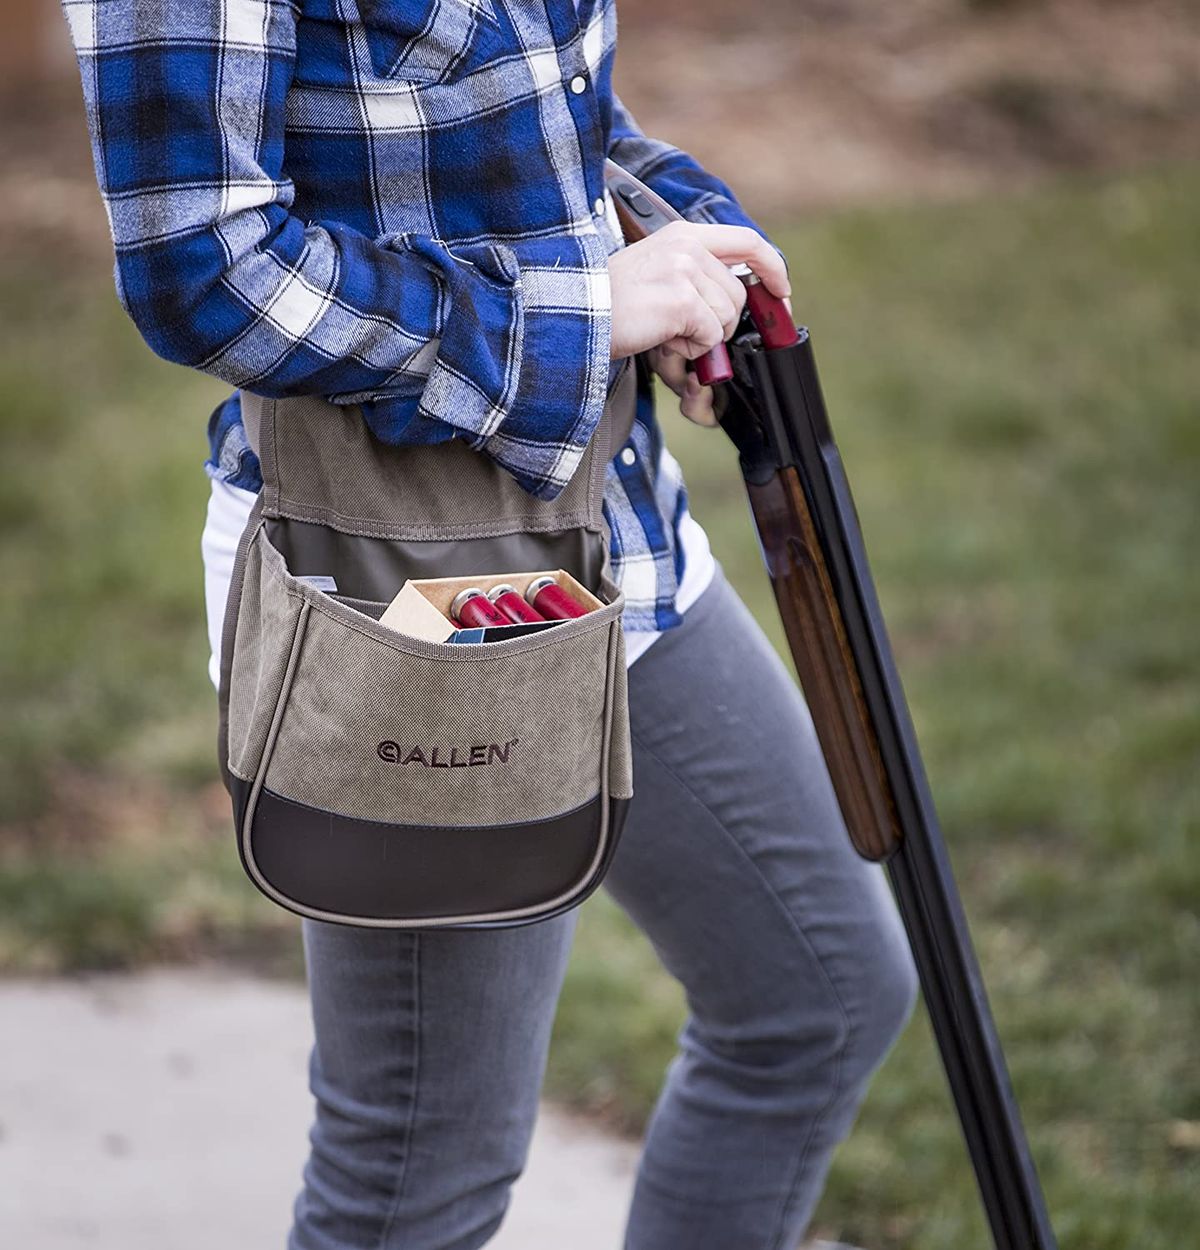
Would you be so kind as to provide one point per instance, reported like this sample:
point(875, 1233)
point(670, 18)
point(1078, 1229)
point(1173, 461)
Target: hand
point(674, 289)
point(695, 399)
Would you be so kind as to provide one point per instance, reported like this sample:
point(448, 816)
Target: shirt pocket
point(428, 41)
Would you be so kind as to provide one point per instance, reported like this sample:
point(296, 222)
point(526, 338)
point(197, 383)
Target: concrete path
point(170, 1111)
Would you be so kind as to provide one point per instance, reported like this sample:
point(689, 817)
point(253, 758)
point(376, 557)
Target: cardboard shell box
point(422, 608)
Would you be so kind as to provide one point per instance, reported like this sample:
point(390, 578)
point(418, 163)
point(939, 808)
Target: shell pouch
point(382, 780)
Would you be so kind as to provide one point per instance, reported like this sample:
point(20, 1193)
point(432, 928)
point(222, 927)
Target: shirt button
point(599, 207)
point(628, 456)
point(579, 84)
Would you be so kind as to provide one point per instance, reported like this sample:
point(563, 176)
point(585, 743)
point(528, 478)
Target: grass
point(1014, 384)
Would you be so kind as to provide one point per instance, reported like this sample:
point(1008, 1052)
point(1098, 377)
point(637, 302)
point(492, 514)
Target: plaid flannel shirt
point(392, 203)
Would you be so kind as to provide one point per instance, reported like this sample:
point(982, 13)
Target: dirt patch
point(52, 209)
point(811, 103)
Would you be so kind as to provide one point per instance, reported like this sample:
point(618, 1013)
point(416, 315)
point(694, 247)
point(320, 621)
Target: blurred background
point(992, 214)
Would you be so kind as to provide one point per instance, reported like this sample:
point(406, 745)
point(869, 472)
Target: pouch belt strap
point(623, 401)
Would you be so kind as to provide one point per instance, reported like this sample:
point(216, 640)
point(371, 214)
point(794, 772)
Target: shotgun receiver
point(772, 410)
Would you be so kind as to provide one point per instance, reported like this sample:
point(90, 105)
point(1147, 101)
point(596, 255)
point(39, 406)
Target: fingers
point(716, 294)
point(670, 366)
point(696, 402)
point(675, 288)
point(731, 286)
point(730, 244)
point(711, 299)
point(701, 332)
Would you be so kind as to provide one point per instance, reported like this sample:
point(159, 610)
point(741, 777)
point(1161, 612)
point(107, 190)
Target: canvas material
point(545, 700)
point(321, 463)
point(325, 707)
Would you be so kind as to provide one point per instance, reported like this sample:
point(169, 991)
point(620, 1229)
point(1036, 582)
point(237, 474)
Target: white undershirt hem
point(698, 569)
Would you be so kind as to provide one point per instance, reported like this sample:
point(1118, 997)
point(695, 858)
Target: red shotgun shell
point(508, 599)
point(769, 314)
point(552, 601)
point(714, 366)
point(473, 608)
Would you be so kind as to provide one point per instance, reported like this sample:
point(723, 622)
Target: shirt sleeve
point(508, 344)
point(679, 178)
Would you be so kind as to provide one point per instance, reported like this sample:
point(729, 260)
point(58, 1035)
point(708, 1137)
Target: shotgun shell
point(714, 366)
point(552, 601)
point(769, 314)
point(508, 599)
point(473, 608)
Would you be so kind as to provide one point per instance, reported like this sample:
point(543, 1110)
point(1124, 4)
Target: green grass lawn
point(1016, 389)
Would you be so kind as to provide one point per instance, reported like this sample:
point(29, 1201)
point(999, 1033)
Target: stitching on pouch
point(473, 652)
point(292, 511)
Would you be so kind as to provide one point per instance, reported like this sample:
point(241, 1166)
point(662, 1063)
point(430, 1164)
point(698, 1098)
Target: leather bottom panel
point(383, 871)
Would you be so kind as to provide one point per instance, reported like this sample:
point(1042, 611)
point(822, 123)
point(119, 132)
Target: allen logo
point(472, 757)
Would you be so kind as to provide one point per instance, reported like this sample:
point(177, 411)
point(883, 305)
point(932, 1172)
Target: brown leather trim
point(337, 864)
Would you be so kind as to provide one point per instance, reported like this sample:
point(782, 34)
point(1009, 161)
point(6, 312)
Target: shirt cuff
point(563, 341)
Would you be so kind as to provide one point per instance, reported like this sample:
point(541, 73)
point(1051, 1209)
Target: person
point(400, 204)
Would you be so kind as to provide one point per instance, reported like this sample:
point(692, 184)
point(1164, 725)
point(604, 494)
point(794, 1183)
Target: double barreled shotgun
point(769, 403)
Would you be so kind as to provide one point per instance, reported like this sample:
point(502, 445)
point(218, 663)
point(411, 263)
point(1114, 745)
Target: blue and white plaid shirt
point(392, 203)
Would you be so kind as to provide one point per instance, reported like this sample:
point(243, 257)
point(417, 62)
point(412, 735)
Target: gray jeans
point(430, 1048)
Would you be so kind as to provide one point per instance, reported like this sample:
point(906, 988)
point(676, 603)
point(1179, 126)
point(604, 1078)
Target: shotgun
point(768, 401)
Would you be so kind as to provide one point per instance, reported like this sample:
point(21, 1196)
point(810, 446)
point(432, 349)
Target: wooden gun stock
point(816, 563)
point(816, 636)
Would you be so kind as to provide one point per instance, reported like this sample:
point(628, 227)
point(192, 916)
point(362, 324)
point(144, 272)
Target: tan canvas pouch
point(379, 779)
